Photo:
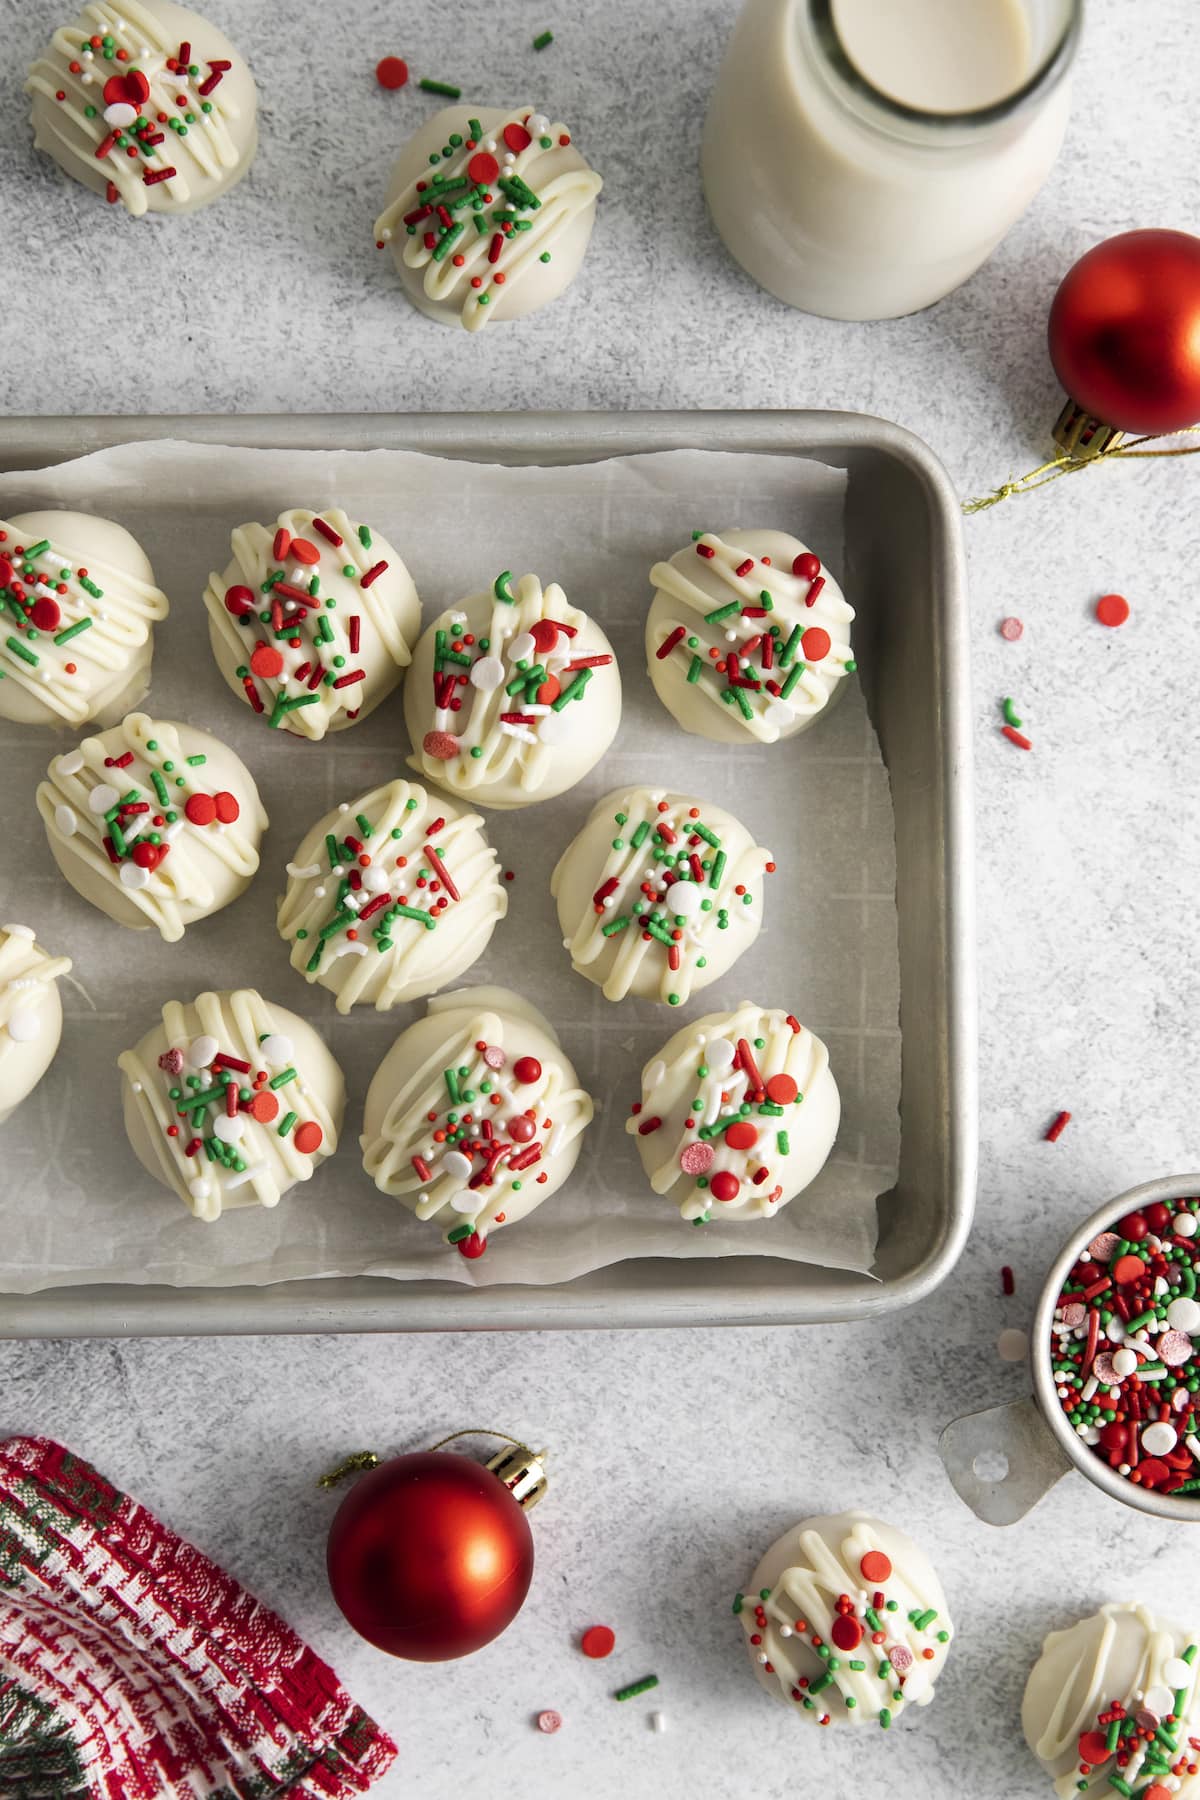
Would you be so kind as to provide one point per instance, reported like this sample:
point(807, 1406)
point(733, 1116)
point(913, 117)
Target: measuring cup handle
point(1002, 1461)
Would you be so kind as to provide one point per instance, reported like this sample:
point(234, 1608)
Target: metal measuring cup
point(1003, 1460)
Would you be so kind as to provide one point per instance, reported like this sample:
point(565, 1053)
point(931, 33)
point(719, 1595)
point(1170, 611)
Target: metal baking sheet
point(904, 568)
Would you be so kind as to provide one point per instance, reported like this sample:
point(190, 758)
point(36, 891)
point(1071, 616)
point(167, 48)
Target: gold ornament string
point(359, 1460)
point(1068, 464)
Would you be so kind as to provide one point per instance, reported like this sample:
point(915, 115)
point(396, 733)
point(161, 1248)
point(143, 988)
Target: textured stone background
point(678, 1456)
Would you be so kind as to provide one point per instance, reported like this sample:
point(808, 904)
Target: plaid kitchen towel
point(132, 1668)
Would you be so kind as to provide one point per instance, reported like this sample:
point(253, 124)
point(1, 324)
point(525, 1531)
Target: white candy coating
point(518, 281)
point(1123, 1653)
point(538, 1125)
point(776, 1152)
point(418, 958)
point(714, 921)
point(241, 1024)
point(385, 613)
point(102, 670)
point(702, 579)
point(199, 868)
point(206, 158)
point(30, 1014)
point(807, 1571)
point(517, 763)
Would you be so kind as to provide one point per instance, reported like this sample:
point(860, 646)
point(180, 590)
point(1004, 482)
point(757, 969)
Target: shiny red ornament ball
point(429, 1556)
point(1124, 331)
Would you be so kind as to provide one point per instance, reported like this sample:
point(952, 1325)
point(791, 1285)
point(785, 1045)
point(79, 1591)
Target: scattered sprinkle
point(391, 72)
point(1011, 629)
point(1007, 1284)
point(1010, 714)
point(598, 1641)
point(1012, 1346)
point(658, 1721)
point(440, 87)
point(549, 1722)
point(1112, 610)
point(1014, 737)
point(542, 39)
point(1061, 1121)
point(636, 1687)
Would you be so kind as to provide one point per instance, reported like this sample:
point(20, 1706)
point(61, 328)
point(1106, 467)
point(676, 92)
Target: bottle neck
point(1053, 29)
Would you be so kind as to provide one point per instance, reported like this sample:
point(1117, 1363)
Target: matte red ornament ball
point(1124, 331)
point(429, 1556)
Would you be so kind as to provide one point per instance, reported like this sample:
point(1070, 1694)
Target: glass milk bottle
point(861, 158)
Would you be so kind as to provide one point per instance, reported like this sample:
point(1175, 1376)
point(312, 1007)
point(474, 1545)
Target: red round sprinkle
point(264, 1107)
point(308, 1137)
point(527, 1069)
point(1127, 1269)
point(305, 552)
point(815, 644)
point(441, 745)
point(228, 809)
point(391, 71)
point(697, 1158)
point(1158, 1217)
point(266, 661)
point(782, 1090)
point(742, 1135)
point(544, 633)
point(806, 566)
point(1153, 1472)
point(875, 1566)
point(521, 1129)
point(1134, 1226)
point(549, 691)
point(517, 138)
point(472, 1247)
point(483, 167)
point(147, 855)
point(45, 614)
point(846, 1632)
point(1093, 1747)
point(1112, 609)
point(239, 600)
point(598, 1641)
point(724, 1186)
point(201, 809)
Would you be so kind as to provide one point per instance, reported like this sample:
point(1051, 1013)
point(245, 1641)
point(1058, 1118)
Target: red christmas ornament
point(1124, 338)
point(430, 1555)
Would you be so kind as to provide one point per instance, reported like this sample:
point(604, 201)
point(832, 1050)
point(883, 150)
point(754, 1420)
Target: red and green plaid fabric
point(132, 1668)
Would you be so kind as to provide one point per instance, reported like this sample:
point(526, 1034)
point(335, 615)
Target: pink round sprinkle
point(171, 1061)
point(441, 745)
point(549, 1721)
point(1174, 1348)
point(1011, 629)
point(1146, 1719)
point(900, 1657)
point(695, 1159)
point(1073, 1314)
point(1104, 1372)
point(1179, 1399)
point(494, 1057)
point(1102, 1248)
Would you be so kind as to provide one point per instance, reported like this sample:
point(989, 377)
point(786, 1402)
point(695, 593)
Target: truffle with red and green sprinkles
point(1125, 1346)
point(475, 1116)
point(313, 621)
point(78, 607)
point(738, 1114)
point(659, 894)
point(230, 1101)
point(845, 1621)
point(147, 104)
point(488, 214)
point(747, 637)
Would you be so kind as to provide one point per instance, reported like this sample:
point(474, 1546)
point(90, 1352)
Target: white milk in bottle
point(861, 158)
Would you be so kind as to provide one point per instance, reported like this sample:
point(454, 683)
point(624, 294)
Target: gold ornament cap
point(1082, 435)
point(522, 1472)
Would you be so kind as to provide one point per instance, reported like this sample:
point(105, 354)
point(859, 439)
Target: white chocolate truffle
point(659, 894)
point(218, 1154)
point(1123, 1656)
point(352, 603)
point(517, 174)
point(157, 824)
point(848, 1577)
point(489, 1058)
point(747, 637)
point(391, 897)
point(154, 78)
point(30, 1014)
point(513, 695)
point(82, 652)
point(739, 1112)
